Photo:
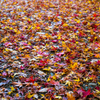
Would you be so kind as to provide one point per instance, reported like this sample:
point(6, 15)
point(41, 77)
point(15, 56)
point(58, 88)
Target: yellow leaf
point(55, 64)
point(30, 96)
point(13, 23)
point(65, 25)
point(90, 78)
point(47, 44)
point(54, 77)
point(68, 49)
point(17, 95)
point(47, 69)
point(86, 49)
point(6, 49)
point(15, 30)
point(97, 91)
point(12, 88)
point(38, 27)
point(78, 21)
point(68, 83)
point(11, 28)
point(86, 79)
point(27, 56)
point(29, 43)
point(29, 19)
point(9, 92)
point(99, 83)
point(48, 79)
point(18, 32)
point(76, 42)
point(3, 39)
point(42, 95)
point(58, 97)
point(35, 84)
point(12, 76)
point(77, 80)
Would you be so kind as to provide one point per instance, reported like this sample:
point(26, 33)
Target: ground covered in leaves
point(49, 50)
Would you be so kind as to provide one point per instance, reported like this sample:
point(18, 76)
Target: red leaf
point(98, 62)
point(94, 15)
point(57, 59)
point(54, 41)
point(30, 79)
point(98, 88)
point(85, 93)
point(54, 82)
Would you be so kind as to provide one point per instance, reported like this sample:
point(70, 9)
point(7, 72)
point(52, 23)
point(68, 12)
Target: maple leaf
point(21, 67)
point(77, 80)
point(60, 54)
point(84, 93)
point(98, 88)
point(57, 59)
point(94, 15)
point(68, 83)
point(30, 79)
point(54, 82)
point(70, 96)
point(30, 96)
point(98, 62)
point(19, 84)
point(12, 88)
point(54, 41)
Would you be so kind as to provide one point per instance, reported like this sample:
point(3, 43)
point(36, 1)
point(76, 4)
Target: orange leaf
point(97, 55)
point(27, 56)
point(70, 96)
